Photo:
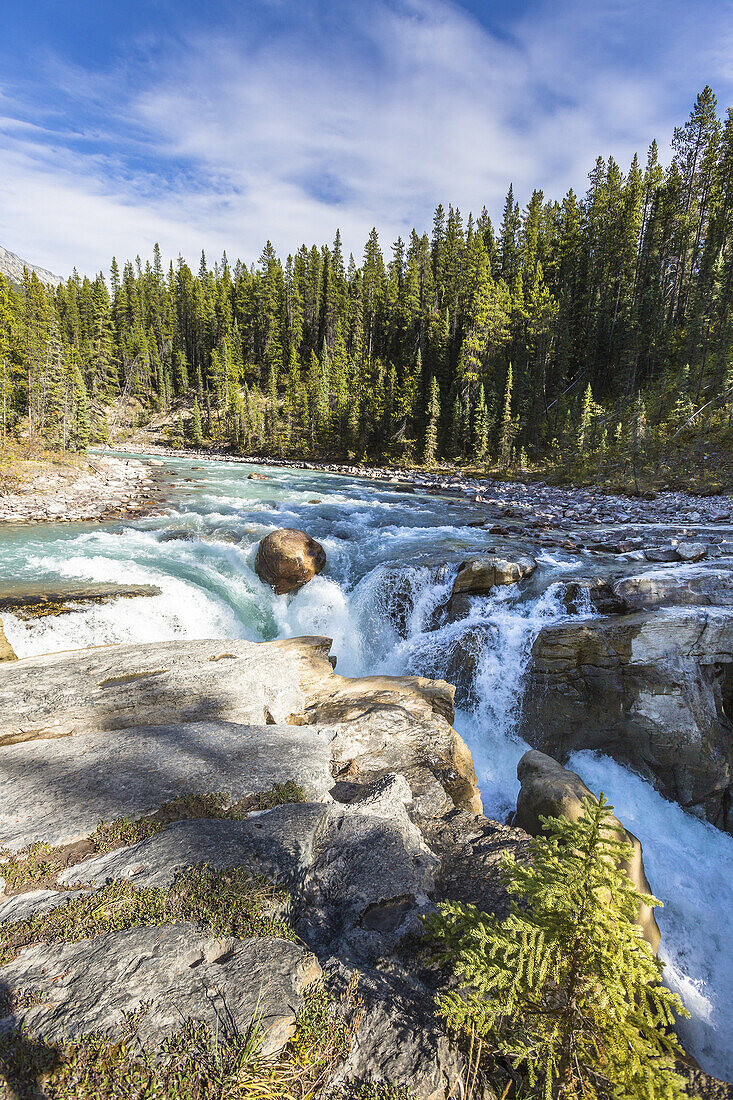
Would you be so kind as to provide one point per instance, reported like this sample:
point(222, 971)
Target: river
point(386, 549)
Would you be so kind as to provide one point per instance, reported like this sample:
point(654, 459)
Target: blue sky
point(217, 124)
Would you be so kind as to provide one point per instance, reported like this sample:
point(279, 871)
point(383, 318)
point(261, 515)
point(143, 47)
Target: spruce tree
point(566, 987)
point(6, 388)
point(480, 426)
point(83, 426)
point(506, 434)
point(431, 432)
point(197, 434)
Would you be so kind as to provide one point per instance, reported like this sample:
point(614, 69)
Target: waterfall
point(689, 862)
point(384, 601)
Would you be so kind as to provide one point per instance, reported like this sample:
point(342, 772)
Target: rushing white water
point(391, 561)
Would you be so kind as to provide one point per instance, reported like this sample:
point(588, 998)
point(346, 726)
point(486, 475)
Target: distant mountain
point(11, 266)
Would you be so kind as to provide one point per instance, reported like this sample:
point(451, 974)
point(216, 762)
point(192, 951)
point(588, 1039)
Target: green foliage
point(194, 1064)
point(375, 1090)
point(122, 831)
point(566, 987)
point(26, 866)
point(610, 307)
point(431, 432)
point(278, 795)
point(227, 903)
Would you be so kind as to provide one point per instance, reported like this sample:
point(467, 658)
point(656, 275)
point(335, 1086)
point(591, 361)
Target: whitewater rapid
point(392, 557)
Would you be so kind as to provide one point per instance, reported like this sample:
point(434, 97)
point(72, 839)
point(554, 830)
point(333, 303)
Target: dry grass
point(192, 1065)
point(21, 465)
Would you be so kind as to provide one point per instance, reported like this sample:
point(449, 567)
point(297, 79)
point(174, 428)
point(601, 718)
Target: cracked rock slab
point(371, 877)
point(35, 902)
point(116, 687)
point(358, 875)
point(174, 971)
point(59, 790)
point(278, 843)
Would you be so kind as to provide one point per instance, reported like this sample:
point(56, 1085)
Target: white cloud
point(367, 114)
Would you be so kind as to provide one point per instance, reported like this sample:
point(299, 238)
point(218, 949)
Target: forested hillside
point(581, 333)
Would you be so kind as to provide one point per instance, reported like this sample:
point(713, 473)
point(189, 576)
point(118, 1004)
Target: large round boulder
point(550, 790)
point(287, 559)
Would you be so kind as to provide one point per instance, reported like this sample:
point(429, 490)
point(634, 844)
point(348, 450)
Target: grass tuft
point(194, 1064)
point(38, 864)
point(227, 903)
point(26, 867)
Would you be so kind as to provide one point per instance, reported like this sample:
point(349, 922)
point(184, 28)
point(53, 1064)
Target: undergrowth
point(33, 864)
point(227, 903)
point(38, 864)
point(194, 1064)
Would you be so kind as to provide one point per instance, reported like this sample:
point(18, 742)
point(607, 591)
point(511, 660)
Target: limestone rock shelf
point(118, 731)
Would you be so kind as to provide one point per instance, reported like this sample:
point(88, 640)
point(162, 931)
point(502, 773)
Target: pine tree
point(431, 432)
point(566, 987)
point(456, 427)
point(271, 415)
point(480, 426)
point(197, 434)
point(507, 425)
point(83, 425)
point(6, 387)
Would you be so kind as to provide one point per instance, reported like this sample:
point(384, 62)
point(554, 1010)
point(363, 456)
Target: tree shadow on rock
point(24, 1062)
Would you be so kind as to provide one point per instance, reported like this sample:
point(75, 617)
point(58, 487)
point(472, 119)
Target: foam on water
point(384, 602)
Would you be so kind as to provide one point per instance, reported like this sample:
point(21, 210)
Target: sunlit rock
point(549, 790)
point(654, 690)
point(7, 653)
point(478, 576)
point(287, 559)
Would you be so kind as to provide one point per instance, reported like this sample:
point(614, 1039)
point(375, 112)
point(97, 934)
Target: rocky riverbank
point(99, 489)
point(534, 503)
point(354, 796)
point(364, 771)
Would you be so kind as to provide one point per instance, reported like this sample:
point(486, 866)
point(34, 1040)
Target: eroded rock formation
point(390, 808)
point(478, 576)
point(654, 690)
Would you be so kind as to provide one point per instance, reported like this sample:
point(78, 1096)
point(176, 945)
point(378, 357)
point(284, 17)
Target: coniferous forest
point(582, 333)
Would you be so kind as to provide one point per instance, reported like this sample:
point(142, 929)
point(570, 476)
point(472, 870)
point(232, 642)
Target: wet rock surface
point(30, 601)
point(479, 576)
point(680, 587)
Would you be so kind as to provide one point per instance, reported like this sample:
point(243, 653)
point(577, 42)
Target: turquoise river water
point(384, 547)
